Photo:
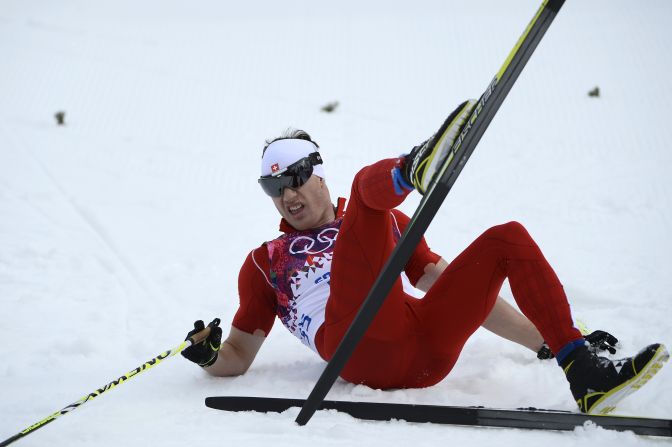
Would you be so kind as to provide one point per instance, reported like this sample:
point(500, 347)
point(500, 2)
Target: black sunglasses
point(293, 176)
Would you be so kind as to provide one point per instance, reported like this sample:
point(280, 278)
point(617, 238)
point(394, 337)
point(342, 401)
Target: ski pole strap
point(196, 338)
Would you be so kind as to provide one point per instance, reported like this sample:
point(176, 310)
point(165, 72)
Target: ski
point(523, 418)
point(464, 145)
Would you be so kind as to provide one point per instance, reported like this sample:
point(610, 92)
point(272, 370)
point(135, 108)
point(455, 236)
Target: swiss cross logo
point(275, 167)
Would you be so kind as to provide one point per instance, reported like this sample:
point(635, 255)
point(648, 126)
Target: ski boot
point(598, 383)
point(425, 160)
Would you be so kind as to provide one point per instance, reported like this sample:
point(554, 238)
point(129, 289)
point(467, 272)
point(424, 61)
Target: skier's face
point(308, 206)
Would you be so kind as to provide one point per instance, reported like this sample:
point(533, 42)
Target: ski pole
point(194, 339)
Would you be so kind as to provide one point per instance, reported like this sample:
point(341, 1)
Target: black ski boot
point(598, 383)
point(426, 159)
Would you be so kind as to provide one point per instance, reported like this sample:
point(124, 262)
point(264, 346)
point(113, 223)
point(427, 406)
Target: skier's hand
point(598, 341)
point(601, 341)
point(204, 353)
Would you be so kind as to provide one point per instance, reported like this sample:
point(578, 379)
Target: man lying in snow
point(316, 275)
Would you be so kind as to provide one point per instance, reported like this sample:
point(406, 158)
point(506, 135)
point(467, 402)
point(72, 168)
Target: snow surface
point(122, 227)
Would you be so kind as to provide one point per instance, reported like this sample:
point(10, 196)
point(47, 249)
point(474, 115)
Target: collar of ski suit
point(286, 228)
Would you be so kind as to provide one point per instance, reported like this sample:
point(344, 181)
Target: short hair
point(290, 134)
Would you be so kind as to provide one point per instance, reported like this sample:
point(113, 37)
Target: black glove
point(598, 341)
point(601, 341)
point(204, 353)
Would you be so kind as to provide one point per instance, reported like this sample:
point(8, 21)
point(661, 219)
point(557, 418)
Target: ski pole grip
point(202, 335)
point(199, 336)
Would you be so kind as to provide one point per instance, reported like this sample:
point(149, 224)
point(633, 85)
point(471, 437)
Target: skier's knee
point(510, 231)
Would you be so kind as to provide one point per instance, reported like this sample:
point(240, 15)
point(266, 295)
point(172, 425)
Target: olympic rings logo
point(308, 245)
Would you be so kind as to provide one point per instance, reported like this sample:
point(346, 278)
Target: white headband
point(282, 153)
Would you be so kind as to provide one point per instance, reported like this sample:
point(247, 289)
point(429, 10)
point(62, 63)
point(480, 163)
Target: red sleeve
point(257, 297)
point(422, 255)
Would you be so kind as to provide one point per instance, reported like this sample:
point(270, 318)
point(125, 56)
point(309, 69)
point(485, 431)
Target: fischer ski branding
point(523, 418)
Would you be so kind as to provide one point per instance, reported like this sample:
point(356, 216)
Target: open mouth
point(295, 209)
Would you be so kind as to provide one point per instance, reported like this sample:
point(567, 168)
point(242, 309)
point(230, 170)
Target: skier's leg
point(366, 238)
point(364, 243)
point(463, 296)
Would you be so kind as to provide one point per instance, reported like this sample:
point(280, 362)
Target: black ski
point(437, 191)
point(528, 418)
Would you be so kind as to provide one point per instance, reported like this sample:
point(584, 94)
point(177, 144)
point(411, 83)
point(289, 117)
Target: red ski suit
point(413, 342)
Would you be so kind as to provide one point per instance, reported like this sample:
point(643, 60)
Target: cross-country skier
point(316, 275)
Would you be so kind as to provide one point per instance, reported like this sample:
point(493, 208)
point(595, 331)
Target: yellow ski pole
point(194, 339)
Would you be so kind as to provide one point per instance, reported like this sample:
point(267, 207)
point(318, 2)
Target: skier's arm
point(504, 320)
point(432, 273)
point(422, 256)
point(253, 320)
point(236, 353)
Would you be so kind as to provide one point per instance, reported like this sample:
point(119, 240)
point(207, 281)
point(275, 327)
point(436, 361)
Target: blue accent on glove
point(400, 185)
